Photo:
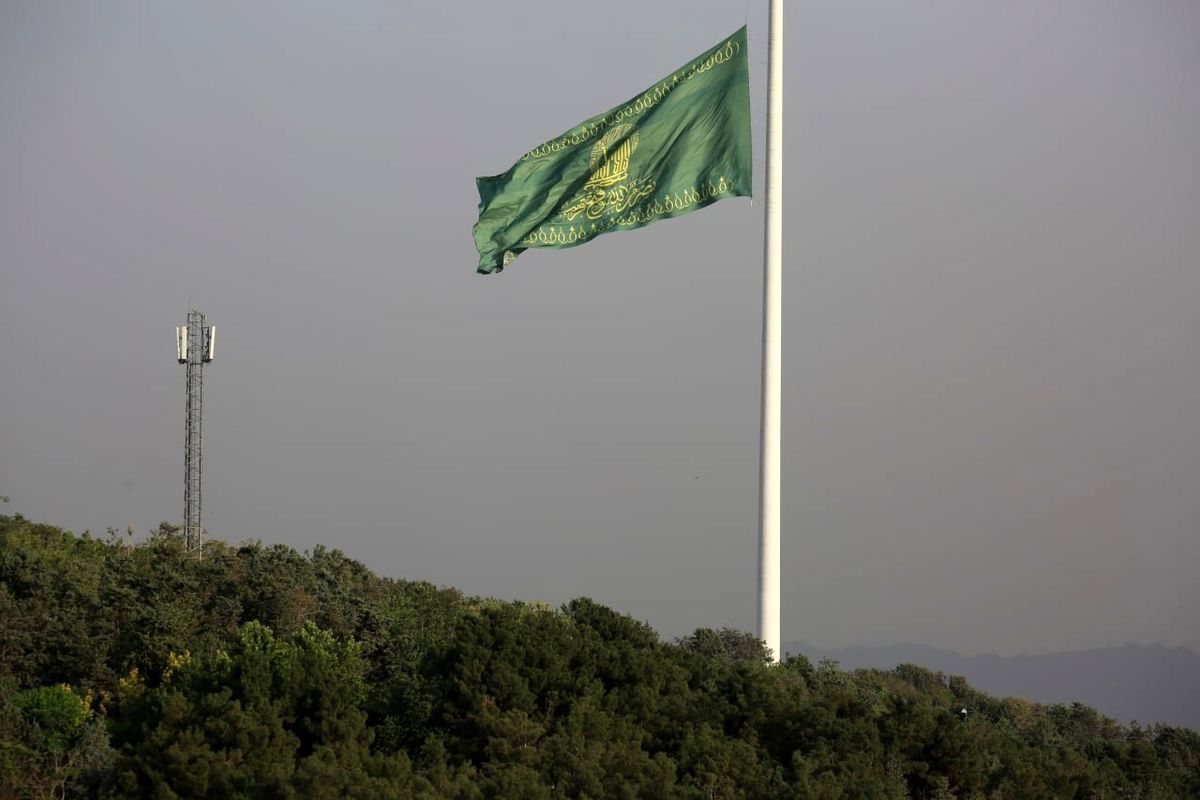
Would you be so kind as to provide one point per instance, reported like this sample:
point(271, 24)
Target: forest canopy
point(138, 670)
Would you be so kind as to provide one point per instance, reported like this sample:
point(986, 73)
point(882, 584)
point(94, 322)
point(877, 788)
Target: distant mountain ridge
point(1146, 683)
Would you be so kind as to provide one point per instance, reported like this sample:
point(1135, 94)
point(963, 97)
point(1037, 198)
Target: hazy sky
point(991, 313)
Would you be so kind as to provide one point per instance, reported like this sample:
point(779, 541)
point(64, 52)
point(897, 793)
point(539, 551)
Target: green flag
point(682, 144)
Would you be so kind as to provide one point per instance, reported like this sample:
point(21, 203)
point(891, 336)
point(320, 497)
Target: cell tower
point(194, 348)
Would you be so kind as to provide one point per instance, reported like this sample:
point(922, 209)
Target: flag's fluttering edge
point(682, 144)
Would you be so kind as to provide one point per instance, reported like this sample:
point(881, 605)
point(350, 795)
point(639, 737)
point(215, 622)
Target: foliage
point(140, 671)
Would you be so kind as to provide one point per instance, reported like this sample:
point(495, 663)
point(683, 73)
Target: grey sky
point(992, 307)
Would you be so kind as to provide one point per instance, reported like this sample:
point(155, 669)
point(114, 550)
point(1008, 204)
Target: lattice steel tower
point(194, 348)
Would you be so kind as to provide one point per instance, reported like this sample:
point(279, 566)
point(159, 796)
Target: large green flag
point(682, 144)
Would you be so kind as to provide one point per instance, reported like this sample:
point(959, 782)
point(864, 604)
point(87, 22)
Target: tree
point(727, 645)
point(50, 743)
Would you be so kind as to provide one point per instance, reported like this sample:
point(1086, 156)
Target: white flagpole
point(772, 361)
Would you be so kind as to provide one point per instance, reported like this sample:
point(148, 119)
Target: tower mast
point(194, 348)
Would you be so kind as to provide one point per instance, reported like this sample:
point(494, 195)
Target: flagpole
point(772, 361)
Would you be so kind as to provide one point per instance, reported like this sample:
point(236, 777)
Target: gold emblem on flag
point(608, 189)
point(610, 156)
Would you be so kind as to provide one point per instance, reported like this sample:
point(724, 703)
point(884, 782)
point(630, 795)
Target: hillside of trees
point(139, 671)
point(1167, 689)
